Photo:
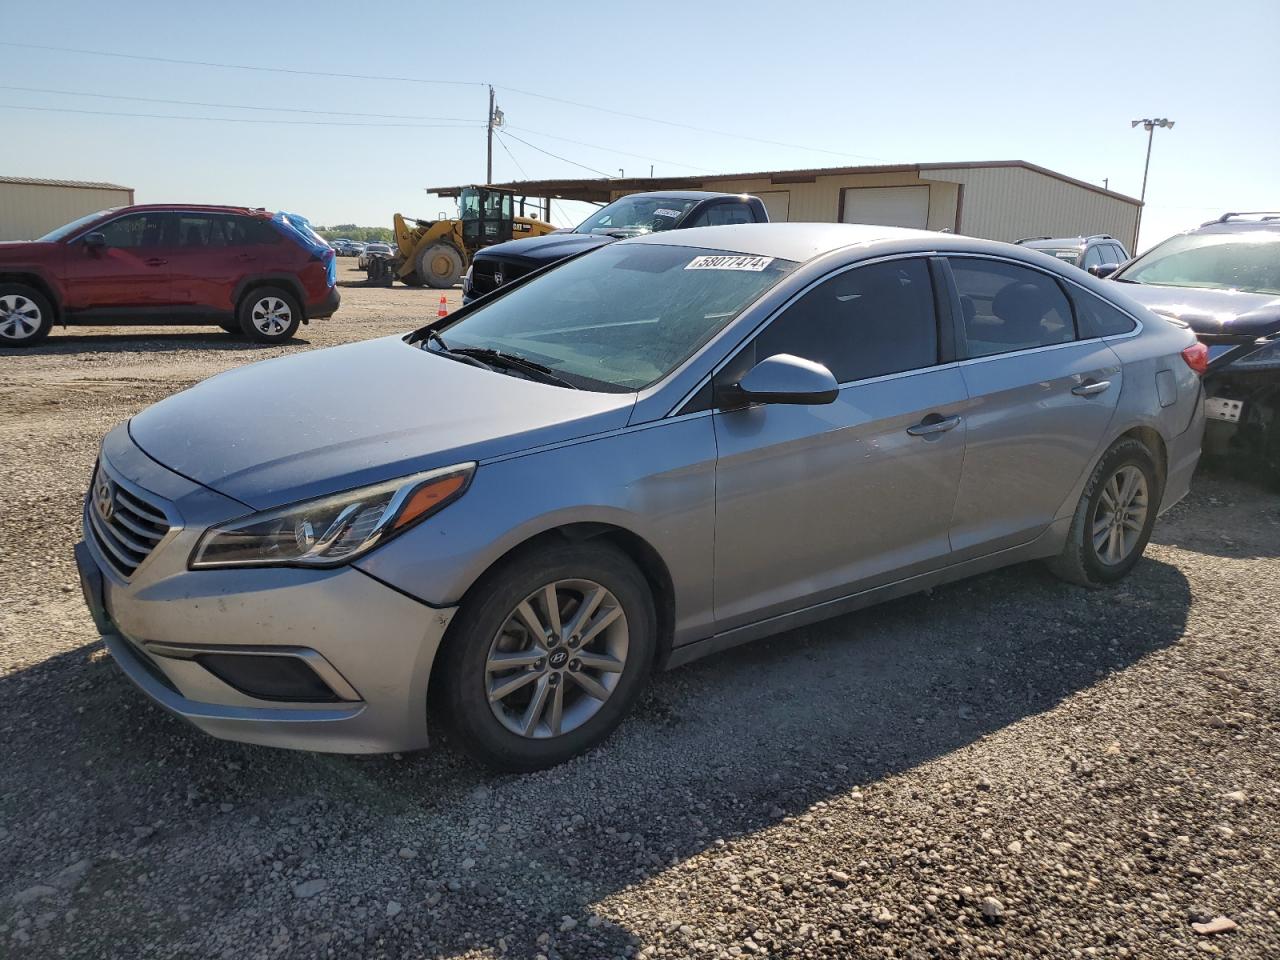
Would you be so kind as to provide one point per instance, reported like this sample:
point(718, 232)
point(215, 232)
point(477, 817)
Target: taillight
point(1197, 357)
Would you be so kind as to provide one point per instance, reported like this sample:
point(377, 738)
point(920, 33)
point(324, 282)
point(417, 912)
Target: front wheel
point(440, 265)
point(547, 656)
point(269, 315)
point(1113, 521)
point(26, 316)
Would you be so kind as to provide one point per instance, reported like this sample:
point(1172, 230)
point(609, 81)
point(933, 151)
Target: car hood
point(315, 423)
point(1212, 313)
point(545, 249)
point(18, 251)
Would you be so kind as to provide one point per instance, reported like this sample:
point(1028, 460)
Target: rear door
point(816, 502)
point(1041, 400)
point(131, 270)
point(214, 251)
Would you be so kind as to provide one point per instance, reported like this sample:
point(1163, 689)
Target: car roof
point(786, 241)
point(682, 195)
point(194, 207)
point(1047, 243)
point(1237, 226)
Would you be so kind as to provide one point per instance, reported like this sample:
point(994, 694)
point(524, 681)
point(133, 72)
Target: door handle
point(156, 262)
point(933, 425)
point(1091, 388)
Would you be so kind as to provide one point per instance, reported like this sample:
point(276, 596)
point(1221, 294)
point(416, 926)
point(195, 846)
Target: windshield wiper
point(460, 355)
point(497, 358)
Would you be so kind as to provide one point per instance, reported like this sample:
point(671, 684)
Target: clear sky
point(1054, 84)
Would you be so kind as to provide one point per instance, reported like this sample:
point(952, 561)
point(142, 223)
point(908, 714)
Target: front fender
point(656, 482)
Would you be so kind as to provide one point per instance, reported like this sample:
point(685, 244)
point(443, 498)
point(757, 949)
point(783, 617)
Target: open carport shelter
point(997, 200)
point(30, 207)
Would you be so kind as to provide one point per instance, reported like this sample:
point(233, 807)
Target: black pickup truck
point(627, 216)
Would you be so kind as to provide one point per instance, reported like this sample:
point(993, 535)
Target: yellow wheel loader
point(436, 253)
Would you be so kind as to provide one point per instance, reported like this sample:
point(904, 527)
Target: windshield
point(64, 231)
point(632, 216)
point(622, 317)
point(1223, 261)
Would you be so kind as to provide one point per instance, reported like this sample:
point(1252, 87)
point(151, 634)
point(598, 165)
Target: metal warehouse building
point(30, 208)
point(997, 200)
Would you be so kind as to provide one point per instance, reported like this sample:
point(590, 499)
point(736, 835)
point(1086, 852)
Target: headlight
point(332, 530)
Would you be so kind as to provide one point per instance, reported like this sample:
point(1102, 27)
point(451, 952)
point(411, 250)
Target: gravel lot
point(1005, 767)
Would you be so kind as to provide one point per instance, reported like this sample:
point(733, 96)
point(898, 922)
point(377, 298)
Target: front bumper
point(368, 646)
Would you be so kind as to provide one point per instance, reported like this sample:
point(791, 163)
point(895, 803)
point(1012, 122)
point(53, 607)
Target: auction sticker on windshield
point(673, 214)
point(729, 262)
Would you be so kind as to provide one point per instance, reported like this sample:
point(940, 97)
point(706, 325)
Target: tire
point(490, 622)
point(440, 265)
point(269, 314)
point(26, 315)
point(1098, 553)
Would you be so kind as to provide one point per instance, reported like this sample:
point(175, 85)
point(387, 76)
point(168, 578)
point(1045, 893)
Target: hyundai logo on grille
point(104, 497)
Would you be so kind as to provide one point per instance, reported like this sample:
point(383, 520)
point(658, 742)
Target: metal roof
point(85, 184)
point(600, 190)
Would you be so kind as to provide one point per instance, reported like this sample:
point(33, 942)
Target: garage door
point(887, 206)
point(778, 203)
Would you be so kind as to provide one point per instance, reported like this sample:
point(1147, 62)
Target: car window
point(194, 231)
point(865, 322)
point(723, 214)
point(1093, 256)
point(1097, 318)
point(636, 214)
point(138, 230)
point(1117, 254)
point(1007, 307)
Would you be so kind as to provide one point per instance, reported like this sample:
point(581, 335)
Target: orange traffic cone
point(442, 310)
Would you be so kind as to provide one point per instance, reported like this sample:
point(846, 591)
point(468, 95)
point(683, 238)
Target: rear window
point(1097, 318)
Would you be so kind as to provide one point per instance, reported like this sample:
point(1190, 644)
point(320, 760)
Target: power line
point(231, 106)
point(525, 174)
point(556, 155)
point(308, 123)
point(625, 153)
point(238, 66)
point(688, 126)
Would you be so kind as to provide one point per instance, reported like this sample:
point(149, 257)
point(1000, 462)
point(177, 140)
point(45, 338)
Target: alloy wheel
point(271, 316)
point(556, 659)
point(1120, 515)
point(19, 317)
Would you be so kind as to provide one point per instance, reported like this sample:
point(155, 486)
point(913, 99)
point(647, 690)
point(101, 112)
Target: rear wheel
point(547, 656)
point(440, 265)
point(26, 316)
point(1114, 518)
point(269, 314)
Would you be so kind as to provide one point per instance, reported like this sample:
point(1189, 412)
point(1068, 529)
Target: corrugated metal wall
point(1008, 203)
point(28, 211)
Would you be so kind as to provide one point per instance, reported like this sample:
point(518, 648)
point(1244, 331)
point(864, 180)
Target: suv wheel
point(547, 655)
point(26, 316)
point(1113, 521)
point(269, 315)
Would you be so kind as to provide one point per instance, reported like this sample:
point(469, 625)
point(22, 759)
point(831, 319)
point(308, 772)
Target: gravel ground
point(1004, 767)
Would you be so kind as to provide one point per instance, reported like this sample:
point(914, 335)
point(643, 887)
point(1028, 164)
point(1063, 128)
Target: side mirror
point(95, 241)
point(1104, 269)
point(782, 378)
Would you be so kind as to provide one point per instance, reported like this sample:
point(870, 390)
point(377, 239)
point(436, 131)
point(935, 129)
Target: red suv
point(249, 271)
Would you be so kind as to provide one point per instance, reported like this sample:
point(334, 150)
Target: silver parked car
point(655, 451)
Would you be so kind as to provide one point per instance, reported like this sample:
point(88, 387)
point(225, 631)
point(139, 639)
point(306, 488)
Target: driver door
point(814, 503)
point(132, 269)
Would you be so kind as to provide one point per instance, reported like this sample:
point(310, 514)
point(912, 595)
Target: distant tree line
point(350, 231)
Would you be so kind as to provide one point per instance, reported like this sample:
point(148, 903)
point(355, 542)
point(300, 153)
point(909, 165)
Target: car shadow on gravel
point(717, 752)
point(1225, 515)
point(213, 338)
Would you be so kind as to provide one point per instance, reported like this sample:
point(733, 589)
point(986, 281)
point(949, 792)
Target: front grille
point(125, 525)
point(486, 270)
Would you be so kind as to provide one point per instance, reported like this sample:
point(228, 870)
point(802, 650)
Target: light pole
point(1150, 127)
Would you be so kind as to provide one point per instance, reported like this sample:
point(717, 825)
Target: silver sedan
point(655, 451)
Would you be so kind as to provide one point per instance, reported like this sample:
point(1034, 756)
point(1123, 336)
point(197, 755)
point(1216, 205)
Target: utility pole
point(488, 176)
point(1150, 127)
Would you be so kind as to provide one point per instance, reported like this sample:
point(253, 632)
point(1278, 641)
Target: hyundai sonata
point(646, 454)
